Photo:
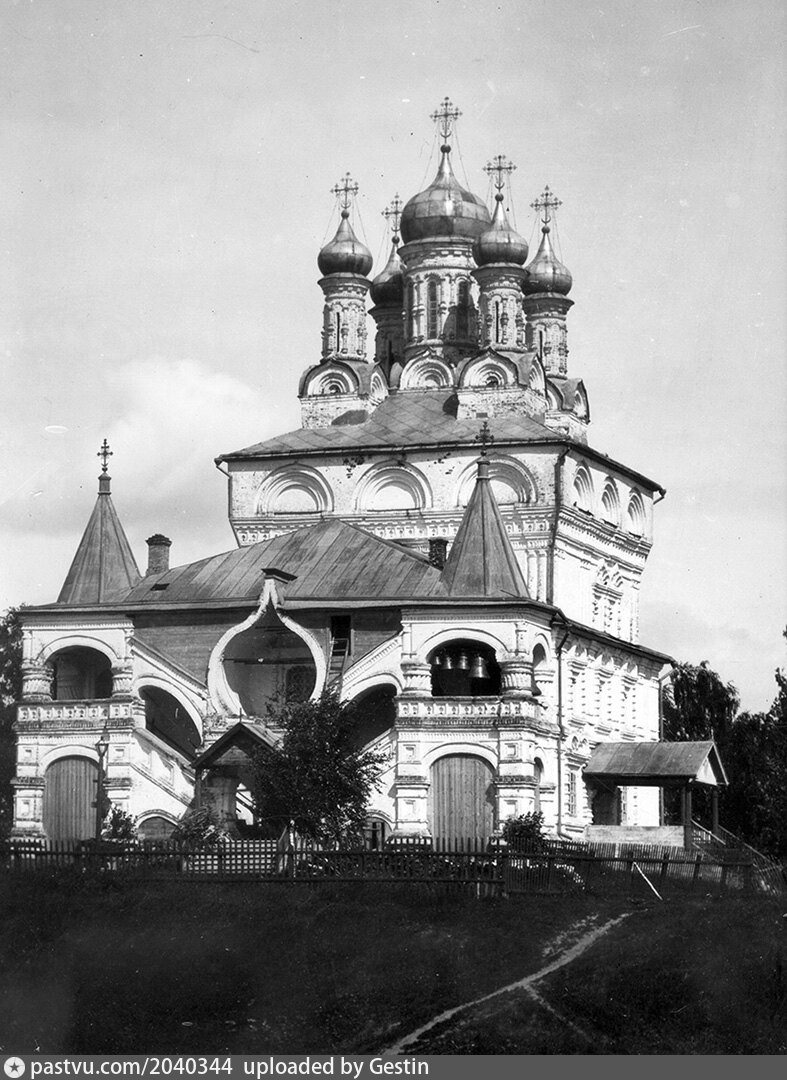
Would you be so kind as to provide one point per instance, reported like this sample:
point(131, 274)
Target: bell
point(446, 663)
point(478, 669)
point(463, 661)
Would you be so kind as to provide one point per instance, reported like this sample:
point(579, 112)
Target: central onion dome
point(444, 209)
point(345, 254)
point(546, 273)
point(500, 243)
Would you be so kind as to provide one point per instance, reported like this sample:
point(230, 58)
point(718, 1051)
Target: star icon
point(14, 1067)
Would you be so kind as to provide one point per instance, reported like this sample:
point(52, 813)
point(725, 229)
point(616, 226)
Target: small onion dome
point(444, 209)
point(500, 243)
point(345, 254)
point(388, 286)
point(546, 273)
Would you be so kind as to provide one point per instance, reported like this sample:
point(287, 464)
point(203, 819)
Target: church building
point(438, 541)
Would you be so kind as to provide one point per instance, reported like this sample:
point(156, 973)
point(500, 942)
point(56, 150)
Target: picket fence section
point(488, 867)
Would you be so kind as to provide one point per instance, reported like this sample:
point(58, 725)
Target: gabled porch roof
point(656, 764)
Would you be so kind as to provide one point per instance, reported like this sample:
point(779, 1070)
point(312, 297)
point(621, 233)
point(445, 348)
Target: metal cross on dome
point(393, 214)
point(105, 454)
point(545, 202)
point(345, 191)
point(445, 116)
point(485, 437)
point(501, 167)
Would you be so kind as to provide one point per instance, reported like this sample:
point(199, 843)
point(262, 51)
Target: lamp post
point(102, 747)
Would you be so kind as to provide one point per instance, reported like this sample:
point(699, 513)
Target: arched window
point(464, 669)
point(610, 504)
point(462, 309)
point(635, 517)
point(539, 669)
point(166, 718)
point(432, 310)
point(583, 490)
point(538, 778)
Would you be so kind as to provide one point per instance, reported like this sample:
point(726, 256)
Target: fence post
point(664, 869)
point(697, 865)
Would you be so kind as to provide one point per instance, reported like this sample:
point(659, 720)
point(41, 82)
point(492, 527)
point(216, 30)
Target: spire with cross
point(345, 191)
point(393, 215)
point(546, 204)
point(445, 117)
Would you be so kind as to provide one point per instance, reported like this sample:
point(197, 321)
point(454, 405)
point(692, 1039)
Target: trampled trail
point(527, 983)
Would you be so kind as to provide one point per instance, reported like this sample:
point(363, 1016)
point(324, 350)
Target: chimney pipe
point(438, 550)
point(158, 554)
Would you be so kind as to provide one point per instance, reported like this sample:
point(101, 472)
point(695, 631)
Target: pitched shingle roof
point(104, 568)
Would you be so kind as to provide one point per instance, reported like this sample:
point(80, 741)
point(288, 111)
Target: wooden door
point(69, 793)
point(461, 798)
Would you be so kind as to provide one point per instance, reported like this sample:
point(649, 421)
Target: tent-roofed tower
point(104, 567)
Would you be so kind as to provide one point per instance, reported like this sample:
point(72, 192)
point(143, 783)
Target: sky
point(167, 175)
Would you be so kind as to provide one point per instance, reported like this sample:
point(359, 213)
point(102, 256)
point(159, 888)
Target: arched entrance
point(69, 793)
point(461, 798)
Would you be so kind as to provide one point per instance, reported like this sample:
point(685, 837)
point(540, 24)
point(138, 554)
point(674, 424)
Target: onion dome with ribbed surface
point(444, 209)
point(388, 286)
point(500, 243)
point(546, 273)
point(345, 254)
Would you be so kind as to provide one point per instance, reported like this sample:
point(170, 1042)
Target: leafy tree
point(316, 776)
point(697, 704)
point(10, 692)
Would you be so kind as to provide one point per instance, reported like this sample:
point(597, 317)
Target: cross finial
point(485, 437)
point(545, 203)
point(393, 215)
point(444, 117)
point(501, 167)
point(105, 454)
point(345, 191)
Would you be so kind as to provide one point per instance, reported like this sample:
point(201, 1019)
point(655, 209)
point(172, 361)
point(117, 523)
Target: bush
point(199, 828)
point(118, 825)
point(526, 832)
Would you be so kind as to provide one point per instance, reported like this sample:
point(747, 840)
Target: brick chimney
point(158, 554)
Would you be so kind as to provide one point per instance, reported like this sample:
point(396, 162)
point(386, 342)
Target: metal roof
point(104, 568)
point(329, 561)
point(407, 418)
point(481, 561)
point(656, 763)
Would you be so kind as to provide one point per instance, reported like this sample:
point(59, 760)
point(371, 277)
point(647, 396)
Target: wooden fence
point(487, 867)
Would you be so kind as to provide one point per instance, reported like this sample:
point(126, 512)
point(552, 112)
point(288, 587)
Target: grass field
point(90, 965)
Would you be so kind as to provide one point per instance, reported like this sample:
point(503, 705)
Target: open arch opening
point(166, 718)
point(464, 668)
point(80, 673)
point(376, 711)
point(268, 662)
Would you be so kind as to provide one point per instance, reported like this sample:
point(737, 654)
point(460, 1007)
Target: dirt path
point(527, 984)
